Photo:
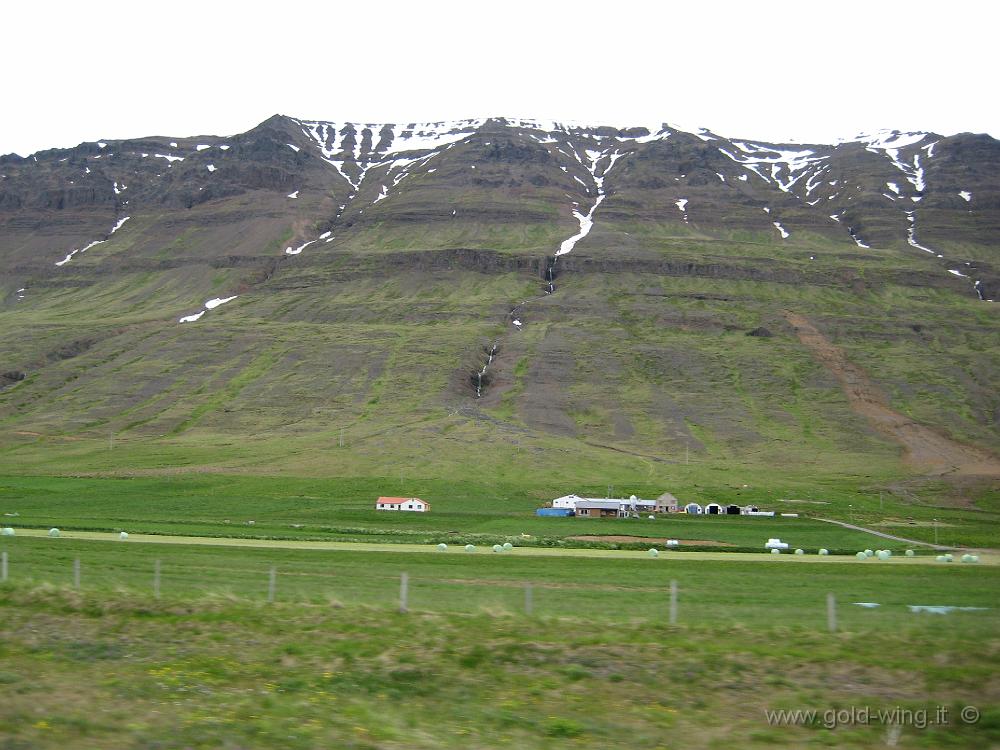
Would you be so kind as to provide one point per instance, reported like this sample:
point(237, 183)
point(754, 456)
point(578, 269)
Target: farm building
point(619, 507)
point(595, 507)
point(566, 501)
point(667, 503)
point(402, 503)
point(693, 508)
point(714, 509)
point(598, 508)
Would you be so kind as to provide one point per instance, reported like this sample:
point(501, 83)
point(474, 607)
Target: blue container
point(554, 512)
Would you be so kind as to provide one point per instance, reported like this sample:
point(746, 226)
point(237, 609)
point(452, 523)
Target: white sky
point(807, 70)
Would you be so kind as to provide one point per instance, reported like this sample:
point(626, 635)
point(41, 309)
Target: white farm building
point(414, 504)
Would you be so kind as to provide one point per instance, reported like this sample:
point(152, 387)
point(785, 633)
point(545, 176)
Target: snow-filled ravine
point(208, 305)
point(73, 253)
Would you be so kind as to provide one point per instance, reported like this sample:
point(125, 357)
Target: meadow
point(341, 508)
point(210, 663)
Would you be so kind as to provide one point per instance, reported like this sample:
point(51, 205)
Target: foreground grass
point(116, 670)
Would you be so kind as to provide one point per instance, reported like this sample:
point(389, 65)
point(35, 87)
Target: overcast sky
point(805, 71)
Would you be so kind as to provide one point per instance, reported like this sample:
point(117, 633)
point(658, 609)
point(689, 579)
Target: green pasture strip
point(611, 587)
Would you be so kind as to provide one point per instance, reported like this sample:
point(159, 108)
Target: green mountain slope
point(373, 269)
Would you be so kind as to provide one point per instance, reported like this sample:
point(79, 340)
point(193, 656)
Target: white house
point(402, 503)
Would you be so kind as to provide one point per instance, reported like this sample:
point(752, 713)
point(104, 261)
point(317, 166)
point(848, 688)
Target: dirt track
point(923, 448)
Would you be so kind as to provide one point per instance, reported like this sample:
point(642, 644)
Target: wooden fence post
point(673, 602)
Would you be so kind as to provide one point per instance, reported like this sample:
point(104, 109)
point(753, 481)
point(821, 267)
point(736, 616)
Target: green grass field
point(342, 509)
point(596, 664)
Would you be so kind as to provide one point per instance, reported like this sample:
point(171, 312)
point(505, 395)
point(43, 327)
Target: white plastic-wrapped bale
point(654, 552)
point(884, 554)
point(508, 546)
point(652, 518)
point(910, 553)
point(498, 548)
point(824, 551)
point(869, 553)
point(948, 557)
point(775, 551)
point(966, 558)
point(54, 533)
point(862, 556)
point(7, 531)
point(123, 536)
point(800, 552)
point(470, 548)
point(442, 546)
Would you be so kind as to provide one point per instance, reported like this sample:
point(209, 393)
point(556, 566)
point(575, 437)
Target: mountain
point(503, 296)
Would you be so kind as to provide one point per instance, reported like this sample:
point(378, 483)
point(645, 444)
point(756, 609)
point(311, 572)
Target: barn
point(693, 508)
point(667, 503)
point(413, 504)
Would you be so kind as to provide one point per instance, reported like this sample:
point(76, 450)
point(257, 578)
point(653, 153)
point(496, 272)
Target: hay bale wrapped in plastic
point(775, 551)
point(442, 546)
point(800, 551)
point(54, 533)
point(884, 554)
point(498, 548)
point(470, 548)
point(123, 536)
point(869, 553)
point(508, 546)
point(653, 552)
point(7, 531)
point(862, 555)
point(823, 551)
point(910, 553)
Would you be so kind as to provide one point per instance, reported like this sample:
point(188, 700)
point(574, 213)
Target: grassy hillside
point(357, 358)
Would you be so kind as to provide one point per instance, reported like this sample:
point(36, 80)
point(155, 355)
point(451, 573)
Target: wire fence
point(665, 601)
